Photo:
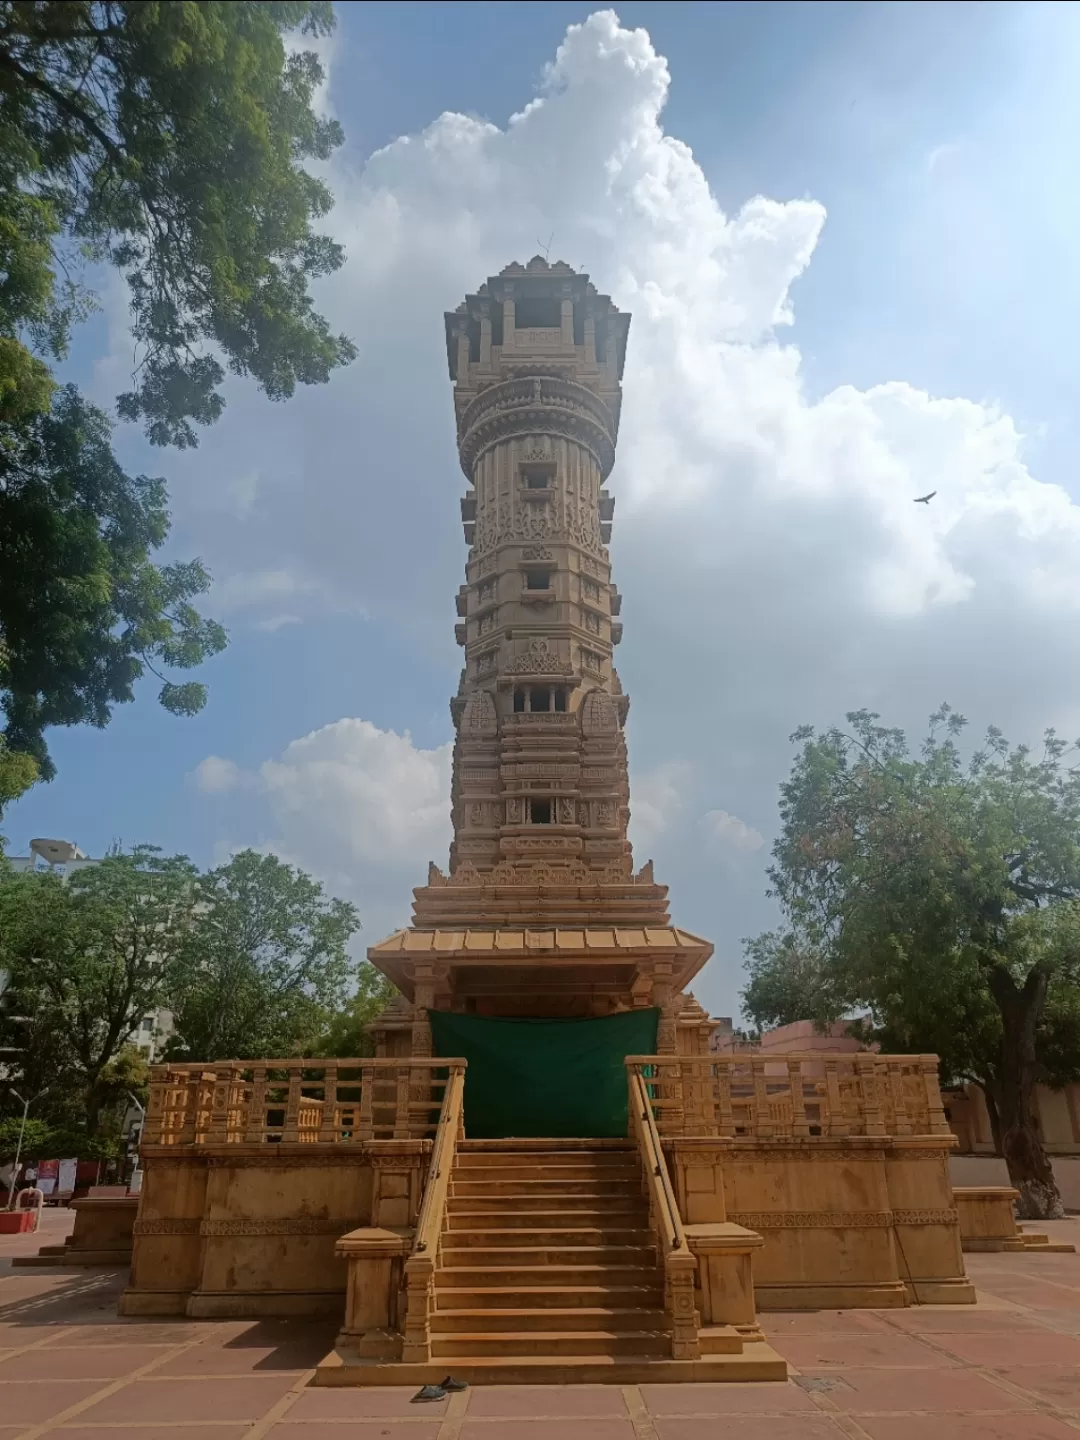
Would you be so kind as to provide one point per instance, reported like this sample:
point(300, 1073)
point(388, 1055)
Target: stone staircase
point(548, 1273)
point(548, 1252)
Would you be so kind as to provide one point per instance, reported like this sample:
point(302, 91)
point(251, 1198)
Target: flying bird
point(925, 499)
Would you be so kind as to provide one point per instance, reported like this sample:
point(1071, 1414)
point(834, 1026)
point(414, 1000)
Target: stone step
point(595, 1257)
point(640, 1343)
point(535, 1236)
point(527, 1208)
point(502, 1159)
point(500, 1186)
point(450, 1295)
point(486, 1320)
point(618, 1217)
point(757, 1362)
point(528, 1276)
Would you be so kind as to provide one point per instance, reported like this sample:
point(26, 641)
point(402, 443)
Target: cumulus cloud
point(774, 567)
point(731, 832)
point(362, 808)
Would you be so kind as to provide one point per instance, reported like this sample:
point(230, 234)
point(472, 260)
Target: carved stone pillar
point(373, 1291)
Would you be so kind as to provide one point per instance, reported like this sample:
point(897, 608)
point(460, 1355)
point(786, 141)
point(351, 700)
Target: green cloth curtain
point(545, 1077)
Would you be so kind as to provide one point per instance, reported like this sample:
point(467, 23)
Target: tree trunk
point(993, 1111)
point(1029, 1165)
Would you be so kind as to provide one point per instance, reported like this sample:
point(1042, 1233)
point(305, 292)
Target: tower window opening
point(560, 697)
point(540, 812)
point(538, 580)
point(519, 700)
point(540, 697)
point(538, 314)
point(538, 476)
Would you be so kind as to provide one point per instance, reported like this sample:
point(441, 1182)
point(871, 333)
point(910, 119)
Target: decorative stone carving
point(592, 622)
point(479, 720)
point(536, 552)
point(566, 812)
point(591, 663)
point(598, 717)
point(539, 659)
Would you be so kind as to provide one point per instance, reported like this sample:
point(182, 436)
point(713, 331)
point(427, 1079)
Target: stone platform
point(1005, 1368)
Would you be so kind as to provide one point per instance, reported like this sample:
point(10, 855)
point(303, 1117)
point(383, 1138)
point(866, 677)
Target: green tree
point(942, 898)
point(84, 611)
point(88, 957)
point(168, 140)
point(345, 1034)
point(265, 959)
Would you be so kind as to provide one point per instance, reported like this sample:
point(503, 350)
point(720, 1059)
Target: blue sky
point(896, 311)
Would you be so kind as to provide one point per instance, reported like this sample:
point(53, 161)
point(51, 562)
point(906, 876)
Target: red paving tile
point(34, 1401)
point(92, 1362)
point(209, 1359)
point(930, 1390)
point(359, 1430)
point(966, 1427)
point(595, 1428)
point(149, 1400)
point(752, 1427)
point(528, 1401)
point(159, 1432)
point(1059, 1384)
point(809, 1352)
point(997, 1351)
point(348, 1404)
point(724, 1400)
point(961, 1320)
point(819, 1322)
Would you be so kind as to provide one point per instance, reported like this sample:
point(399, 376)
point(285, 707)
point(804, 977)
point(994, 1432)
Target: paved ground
point(1008, 1367)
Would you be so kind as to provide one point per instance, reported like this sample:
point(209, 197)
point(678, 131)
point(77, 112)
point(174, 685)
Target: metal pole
point(18, 1148)
point(18, 1151)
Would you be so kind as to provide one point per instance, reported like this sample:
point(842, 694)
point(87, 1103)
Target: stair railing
point(679, 1264)
point(421, 1264)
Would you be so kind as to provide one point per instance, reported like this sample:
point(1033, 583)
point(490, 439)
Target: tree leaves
point(170, 140)
point(84, 611)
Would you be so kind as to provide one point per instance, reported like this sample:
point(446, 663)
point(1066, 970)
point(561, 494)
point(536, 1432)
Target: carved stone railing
point(805, 1095)
point(308, 1102)
point(678, 1261)
point(421, 1264)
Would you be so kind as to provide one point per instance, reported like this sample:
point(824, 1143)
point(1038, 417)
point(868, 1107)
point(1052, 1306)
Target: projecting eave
point(628, 953)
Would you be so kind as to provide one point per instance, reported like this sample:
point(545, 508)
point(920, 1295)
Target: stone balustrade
point(797, 1096)
point(307, 1102)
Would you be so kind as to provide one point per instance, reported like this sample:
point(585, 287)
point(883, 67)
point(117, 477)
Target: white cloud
point(363, 809)
point(731, 832)
point(217, 776)
point(656, 798)
point(774, 568)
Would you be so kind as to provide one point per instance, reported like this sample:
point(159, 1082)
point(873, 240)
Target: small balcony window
point(540, 812)
point(538, 579)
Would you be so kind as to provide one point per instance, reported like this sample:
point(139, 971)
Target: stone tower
point(541, 912)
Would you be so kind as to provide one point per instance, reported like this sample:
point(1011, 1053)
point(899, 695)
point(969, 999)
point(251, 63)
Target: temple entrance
point(551, 1078)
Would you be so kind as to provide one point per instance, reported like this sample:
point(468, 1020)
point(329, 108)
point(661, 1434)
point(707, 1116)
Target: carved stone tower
point(541, 913)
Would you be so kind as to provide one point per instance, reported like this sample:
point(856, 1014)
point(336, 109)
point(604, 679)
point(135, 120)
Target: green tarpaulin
point(545, 1077)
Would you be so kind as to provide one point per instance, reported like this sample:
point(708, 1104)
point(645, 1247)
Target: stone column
point(463, 351)
point(485, 335)
point(567, 319)
point(508, 325)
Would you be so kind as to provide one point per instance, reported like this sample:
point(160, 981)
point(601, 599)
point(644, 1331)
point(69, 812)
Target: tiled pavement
point(1008, 1367)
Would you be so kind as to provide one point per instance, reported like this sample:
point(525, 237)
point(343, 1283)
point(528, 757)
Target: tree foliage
point(88, 957)
point(264, 961)
point(942, 897)
point(84, 611)
point(345, 1034)
point(169, 139)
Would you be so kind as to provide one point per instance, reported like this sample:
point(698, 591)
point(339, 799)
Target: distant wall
point(991, 1170)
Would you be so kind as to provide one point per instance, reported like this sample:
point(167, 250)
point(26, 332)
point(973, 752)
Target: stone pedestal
point(725, 1258)
point(376, 1259)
